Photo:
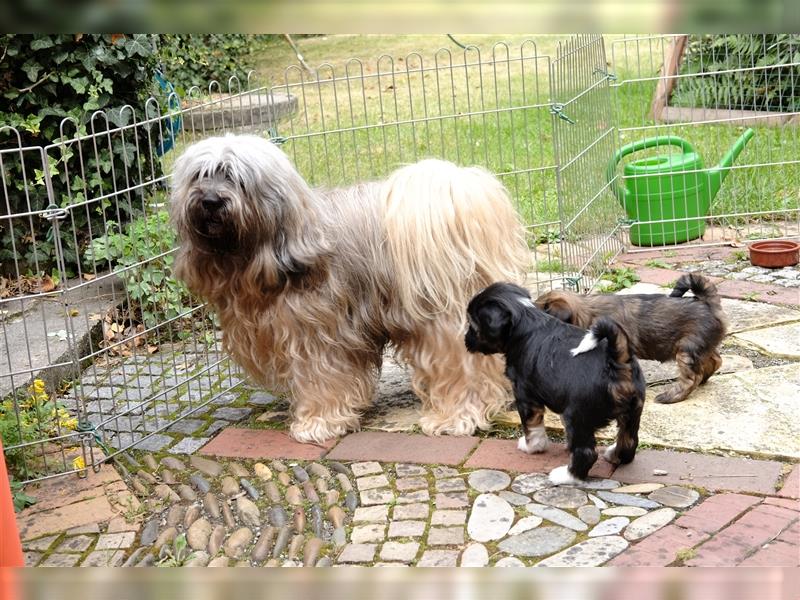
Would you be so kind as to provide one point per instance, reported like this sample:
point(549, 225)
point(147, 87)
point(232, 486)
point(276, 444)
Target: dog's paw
point(611, 454)
point(667, 398)
point(562, 476)
point(534, 442)
point(434, 424)
point(316, 431)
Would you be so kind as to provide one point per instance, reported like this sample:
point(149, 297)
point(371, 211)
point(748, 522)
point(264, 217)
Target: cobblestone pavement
point(226, 486)
point(225, 511)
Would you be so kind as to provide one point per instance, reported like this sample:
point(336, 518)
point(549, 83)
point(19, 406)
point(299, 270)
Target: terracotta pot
point(775, 253)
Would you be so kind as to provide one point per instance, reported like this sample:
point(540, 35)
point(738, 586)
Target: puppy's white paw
point(611, 454)
point(535, 442)
point(562, 476)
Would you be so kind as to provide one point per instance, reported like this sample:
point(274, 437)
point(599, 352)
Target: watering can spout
point(717, 175)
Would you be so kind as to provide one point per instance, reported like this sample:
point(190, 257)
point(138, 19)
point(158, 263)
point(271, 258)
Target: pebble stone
point(150, 462)
point(262, 547)
point(557, 516)
point(588, 553)
point(649, 523)
point(227, 516)
point(234, 546)
point(351, 501)
point(561, 497)
point(514, 498)
point(628, 500)
point(339, 537)
point(200, 483)
point(216, 539)
point(316, 520)
point(209, 467)
point(311, 551)
point(527, 484)
point(198, 534)
point(488, 480)
point(175, 515)
point(165, 537)
point(248, 487)
point(296, 546)
point(332, 497)
point(638, 488)
point(284, 479)
point(150, 531)
point(538, 542)
point(336, 516)
point(238, 470)
point(272, 491)
point(610, 526)
point(318, 470)
point(299, 520)
point(597, 502)
point(340, 468)
point(309, 491)
point(198, 559)
point(525, 524)
point(475, 555)
point(509, 562)
point(596, 484)
point(624, 511)
point(191, 515)
point(344, 482)
point(675, 496)
point(186, 493)
point(300, 474)
point(589, 514)
point(230, 487)
point(211, 505)
point(281, 541)
point(176, 464)
point(220, 561)
point(278, 516)
point(293, 495)
point(490, 519)
point(165, 492)
point(248, 512)
point(262, 471)
point(168, 477)
point(278, 466)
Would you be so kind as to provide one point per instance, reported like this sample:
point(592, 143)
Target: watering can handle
point(653, 142)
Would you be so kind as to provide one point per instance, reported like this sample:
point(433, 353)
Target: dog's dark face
point(233, 193)
point(491, 316)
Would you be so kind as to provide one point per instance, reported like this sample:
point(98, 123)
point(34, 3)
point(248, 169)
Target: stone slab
point(753, 412)
point(401, 447)
point(261, 444)
point(743, 315)
point(714, 473)
point(588, 553)
point(780, 340)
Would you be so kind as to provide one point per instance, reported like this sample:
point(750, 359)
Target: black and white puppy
point(589, 378)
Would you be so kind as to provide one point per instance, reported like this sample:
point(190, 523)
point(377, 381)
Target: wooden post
point(669, 69)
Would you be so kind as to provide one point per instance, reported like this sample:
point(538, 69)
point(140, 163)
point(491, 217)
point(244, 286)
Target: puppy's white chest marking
point(526, 302)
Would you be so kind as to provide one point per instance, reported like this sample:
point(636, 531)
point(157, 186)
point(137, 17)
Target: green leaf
point(40, 43)
point(139, 44)
point(79, 84)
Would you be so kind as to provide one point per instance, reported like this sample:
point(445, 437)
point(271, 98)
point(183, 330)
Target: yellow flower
point(37, 387)
point(78, 463)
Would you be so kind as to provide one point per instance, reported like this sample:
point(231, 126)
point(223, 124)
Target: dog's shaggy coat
point(587, 378)
point(688, 330)
point(311, 285)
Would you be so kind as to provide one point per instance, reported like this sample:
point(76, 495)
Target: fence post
point(10, 546)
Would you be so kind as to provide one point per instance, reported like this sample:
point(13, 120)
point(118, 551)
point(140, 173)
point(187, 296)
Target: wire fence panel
point(708, 91)
point(584, 135)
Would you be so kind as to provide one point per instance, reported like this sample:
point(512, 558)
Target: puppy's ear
point(560, 309)
point(495, 319)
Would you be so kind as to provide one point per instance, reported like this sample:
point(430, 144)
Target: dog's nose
point(211, 202)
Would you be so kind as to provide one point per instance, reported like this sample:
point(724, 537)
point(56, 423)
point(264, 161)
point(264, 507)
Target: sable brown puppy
point(311, 285)
point(688, 330)
point(589, 378)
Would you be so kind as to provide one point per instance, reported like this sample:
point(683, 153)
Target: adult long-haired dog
point(310, 285)
point(688, 330)
point(589, 378)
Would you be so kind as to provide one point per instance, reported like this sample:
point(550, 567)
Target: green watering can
point(659, 188)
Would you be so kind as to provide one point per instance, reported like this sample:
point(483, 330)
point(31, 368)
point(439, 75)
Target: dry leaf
point(46, 284)
point(152, 349)
point(89, 276)
point(115, 37)
point(74, 312)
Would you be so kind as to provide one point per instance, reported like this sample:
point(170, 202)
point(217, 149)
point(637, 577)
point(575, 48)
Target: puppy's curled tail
point(704, 290)
point(619, 348)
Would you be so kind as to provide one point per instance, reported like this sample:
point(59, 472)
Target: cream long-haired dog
point(310, 285)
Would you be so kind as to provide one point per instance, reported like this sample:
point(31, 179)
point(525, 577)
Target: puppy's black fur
point(588, 389)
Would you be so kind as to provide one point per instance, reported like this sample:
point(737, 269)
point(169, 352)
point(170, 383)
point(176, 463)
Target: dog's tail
point(619, 346)
point(703, 289)
point(450, 232)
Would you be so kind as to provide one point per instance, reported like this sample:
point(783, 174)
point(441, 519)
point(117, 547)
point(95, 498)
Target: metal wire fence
point(129, 353)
